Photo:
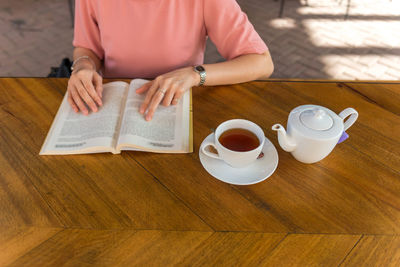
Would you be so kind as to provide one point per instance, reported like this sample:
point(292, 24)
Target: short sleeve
point(86, 32)
point(230, 30)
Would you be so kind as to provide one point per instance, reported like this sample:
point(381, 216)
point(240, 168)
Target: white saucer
point(256, 172)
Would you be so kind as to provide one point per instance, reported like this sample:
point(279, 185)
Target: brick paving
point(34, 35)
point(309, 41)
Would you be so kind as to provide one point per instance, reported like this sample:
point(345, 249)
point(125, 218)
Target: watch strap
point(202, 72)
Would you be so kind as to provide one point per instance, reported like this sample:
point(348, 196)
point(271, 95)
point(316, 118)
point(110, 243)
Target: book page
point(168, 131)
point(74, 133)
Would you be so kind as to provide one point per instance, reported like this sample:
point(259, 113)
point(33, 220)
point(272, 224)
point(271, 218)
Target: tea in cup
point(238, 142)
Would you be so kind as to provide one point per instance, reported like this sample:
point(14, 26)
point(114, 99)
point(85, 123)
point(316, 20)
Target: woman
point(164, 40)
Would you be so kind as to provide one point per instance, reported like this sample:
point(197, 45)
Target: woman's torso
point(146, 38)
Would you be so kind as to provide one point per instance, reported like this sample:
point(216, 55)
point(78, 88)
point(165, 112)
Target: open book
point(118, 125)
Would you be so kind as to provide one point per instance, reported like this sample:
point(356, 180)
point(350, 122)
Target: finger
point(92, 93)
point(98, 82)
point(144, 88)
point(78, 101)
point(86, 97)
point(175, 101)
point(148, 98)
point(178, 96)
point(155, 101)
point(72, 103)
point(168, 97)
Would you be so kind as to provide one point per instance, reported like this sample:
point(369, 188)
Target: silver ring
point(162, 91)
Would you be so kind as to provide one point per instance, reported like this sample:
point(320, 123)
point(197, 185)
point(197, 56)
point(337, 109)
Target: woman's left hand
point(167, 88)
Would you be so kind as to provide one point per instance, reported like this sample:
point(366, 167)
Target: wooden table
point(141, 208)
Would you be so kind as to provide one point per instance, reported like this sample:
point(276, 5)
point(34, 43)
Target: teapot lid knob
point(316, 119)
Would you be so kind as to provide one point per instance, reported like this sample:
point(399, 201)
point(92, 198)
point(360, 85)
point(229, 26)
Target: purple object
point(343, 137)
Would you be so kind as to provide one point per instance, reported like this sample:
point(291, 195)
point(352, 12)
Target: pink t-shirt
point(146, 38)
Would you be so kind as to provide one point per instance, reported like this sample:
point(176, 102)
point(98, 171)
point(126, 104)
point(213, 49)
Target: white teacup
point(236, 159)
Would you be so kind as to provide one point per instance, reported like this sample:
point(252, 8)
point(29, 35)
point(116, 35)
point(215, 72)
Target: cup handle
point(207, 153)
point(353, 117)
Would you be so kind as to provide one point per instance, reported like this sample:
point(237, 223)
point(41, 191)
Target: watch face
point(200, 68)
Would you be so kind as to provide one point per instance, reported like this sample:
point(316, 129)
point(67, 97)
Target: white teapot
point(313, 131)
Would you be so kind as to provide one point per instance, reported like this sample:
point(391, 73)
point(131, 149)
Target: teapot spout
point(283, 138)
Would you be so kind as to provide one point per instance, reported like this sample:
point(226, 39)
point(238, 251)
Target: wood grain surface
point(164, 209)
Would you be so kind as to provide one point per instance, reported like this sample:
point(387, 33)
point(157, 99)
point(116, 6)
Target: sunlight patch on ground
point(283, 23)
point(342, 34)
point(367, 67)
point(357, 7)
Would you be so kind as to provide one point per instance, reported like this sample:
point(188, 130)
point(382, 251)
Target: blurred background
point(320, 39)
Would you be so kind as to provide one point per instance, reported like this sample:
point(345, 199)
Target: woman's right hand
point(85, 88)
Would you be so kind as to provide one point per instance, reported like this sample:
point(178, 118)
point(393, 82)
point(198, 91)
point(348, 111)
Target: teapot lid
point(316, 119)
point(316, 122)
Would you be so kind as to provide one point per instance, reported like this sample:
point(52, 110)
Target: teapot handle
point(353, 117)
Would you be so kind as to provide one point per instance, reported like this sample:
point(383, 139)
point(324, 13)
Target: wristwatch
point(202, 72)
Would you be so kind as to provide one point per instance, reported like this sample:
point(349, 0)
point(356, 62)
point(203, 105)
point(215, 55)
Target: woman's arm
point(80, 51)
point(85, 84)
point(241, 69)
point(169, 88)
